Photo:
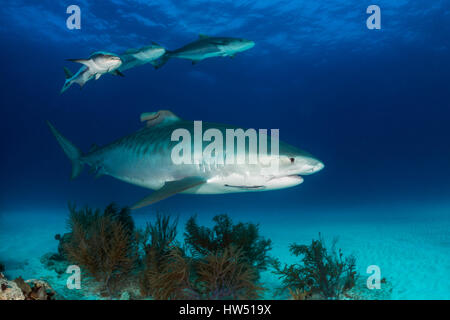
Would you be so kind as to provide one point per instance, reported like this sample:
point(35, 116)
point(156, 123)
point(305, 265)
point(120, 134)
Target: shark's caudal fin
point(72, 152)
point(66, 86)
point(68, 82)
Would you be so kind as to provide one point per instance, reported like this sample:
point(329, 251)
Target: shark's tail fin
point(68, 82)
point(72, 152)
point(161, 61)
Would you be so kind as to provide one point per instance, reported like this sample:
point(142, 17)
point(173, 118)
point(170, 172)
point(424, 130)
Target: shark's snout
point(313, 166)
point(246, 44)
point(307, 165)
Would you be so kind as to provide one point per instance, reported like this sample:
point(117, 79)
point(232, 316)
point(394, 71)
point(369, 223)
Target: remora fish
point(144, 158)
point(137, 57)
point(208, 47)
point(98, 64)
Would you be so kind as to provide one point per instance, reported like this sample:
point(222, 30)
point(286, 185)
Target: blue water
point(373, 105)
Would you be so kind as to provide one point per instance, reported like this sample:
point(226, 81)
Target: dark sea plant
point(253, 248)
point(225, 275)
point(170, 277)
point(321, 273)
point(102, 243)
point(216, 273)
point(159, 248)
point(219, 276)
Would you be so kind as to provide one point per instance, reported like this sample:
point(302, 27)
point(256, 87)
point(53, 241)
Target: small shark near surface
point(208, 47)
point(97, 65)
point(137, 57)
point(144, 158)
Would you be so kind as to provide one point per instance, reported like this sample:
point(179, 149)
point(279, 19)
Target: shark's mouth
point(273, 183)
point(245, 187)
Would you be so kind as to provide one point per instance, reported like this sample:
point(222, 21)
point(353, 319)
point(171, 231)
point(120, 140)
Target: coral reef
point(20, 289)
point(204, 241)
point(9, 290)
point(222, 262)
point(102, 243)
point(322, 273)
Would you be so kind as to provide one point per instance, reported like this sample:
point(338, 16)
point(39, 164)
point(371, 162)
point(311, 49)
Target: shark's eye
point(292, 160)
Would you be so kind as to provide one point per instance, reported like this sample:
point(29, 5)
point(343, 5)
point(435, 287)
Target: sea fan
point(204, 241)
point(225, 275)
point(102, 244)
point(322, 273)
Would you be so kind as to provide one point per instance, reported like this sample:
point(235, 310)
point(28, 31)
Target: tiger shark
point(145, 158)
point(208, 47)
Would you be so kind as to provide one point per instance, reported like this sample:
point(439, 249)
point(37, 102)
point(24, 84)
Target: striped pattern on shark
point(144, 158)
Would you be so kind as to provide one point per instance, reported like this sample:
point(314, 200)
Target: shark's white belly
point(239, 183)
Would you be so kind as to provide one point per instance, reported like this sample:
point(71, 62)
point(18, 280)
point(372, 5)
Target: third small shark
point(137, 57)
point(208, 47)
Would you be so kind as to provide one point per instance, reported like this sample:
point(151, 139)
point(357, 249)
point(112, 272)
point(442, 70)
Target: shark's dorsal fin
point(94, 147)
point(159, 117)
point(203, 36)
point(131, 51)
point(118, 73)
point(86, 62)
point(68, 73)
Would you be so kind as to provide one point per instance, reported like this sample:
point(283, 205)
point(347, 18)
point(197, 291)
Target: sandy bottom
point(413, 253)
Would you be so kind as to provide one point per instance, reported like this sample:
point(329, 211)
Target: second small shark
point(208, 47)
point(137, 57)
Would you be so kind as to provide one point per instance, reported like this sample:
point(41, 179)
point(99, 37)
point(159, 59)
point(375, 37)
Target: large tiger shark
point(145, 158)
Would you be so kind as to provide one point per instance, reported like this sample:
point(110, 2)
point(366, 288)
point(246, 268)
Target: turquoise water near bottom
point(410, 245)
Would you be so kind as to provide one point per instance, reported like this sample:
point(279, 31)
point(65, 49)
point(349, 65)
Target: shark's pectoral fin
point(155, 63)
point(169, 189)
point(97, 76)
point(162, 116)
point(118, 73)
point(68, 73)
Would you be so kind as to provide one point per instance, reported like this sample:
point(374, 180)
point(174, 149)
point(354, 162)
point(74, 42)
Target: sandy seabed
point(412, 251)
